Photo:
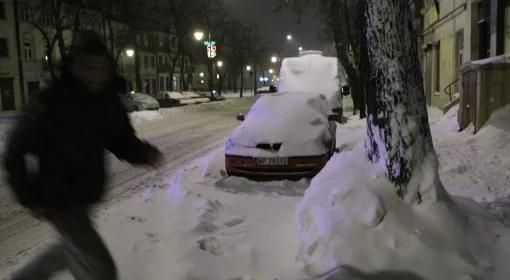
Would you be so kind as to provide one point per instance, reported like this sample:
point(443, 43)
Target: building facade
point(10, 73)
point(455, 33)
point(147, 63)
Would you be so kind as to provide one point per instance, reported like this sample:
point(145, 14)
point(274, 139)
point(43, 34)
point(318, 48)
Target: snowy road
point(182, 134)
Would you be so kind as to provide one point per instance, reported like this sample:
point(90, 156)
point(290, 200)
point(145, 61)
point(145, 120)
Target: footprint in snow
point(211, 245)
point(138, 219)
point(235, 222)
point(153, 237)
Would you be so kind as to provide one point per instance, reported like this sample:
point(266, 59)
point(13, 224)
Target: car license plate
point(273, 161)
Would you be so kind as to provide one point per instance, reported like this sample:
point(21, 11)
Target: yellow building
point(456, 33)
point(10, 85)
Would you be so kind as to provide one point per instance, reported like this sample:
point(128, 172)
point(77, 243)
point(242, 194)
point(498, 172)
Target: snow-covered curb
point(142, 117)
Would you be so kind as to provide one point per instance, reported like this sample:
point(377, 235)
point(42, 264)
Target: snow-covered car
point(313, 73)
point(287, 135)
point(181, 98)
point(139, 102)
point(267, 89)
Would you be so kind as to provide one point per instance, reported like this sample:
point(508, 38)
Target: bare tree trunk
point(184, 86)
point(172, 71)
point(57, 12)
point(112, 36)
point(397, 122)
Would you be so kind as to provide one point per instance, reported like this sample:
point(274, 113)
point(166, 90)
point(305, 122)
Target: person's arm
point(127, 146)
point(22, 141)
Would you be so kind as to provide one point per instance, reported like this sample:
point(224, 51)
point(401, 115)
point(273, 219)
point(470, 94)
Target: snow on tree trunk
point(398, 128)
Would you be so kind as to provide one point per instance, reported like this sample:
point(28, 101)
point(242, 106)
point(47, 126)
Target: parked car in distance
point(177, 98)
point(287, 135)
point(267, 89)
point(139, 102)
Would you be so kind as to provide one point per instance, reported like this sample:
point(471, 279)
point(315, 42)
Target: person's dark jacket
point(68, 131)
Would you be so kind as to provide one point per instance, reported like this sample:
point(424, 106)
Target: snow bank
point(145, 116)
point(295, 119)
point(475, 165)
point(311, 73)
point(355, 227)
point(357, 222)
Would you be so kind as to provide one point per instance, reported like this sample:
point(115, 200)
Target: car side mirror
point(335, 118)
point(240, 117)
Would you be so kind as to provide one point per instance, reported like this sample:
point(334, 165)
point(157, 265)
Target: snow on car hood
point(312, 73)
point(298, 120)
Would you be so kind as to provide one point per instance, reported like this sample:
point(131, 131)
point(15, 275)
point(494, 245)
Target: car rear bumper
point(298, 167)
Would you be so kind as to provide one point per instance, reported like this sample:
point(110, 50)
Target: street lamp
point(201, 74)
point(199, 35)
point(300, 48)
point(248, 68)
point(211, 53)
point(289, 37)
point(271, 71)
point(130, 52)
point(220, 63)
point(274, 59)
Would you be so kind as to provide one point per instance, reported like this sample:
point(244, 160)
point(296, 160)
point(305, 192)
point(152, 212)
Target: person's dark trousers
point(79, 249)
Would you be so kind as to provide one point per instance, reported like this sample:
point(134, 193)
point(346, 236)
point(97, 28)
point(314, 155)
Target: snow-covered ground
point(182, 133)
point(201, 224)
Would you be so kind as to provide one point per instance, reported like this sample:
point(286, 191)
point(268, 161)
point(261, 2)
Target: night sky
point(275, 26)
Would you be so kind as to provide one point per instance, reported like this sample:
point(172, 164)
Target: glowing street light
point(130, 52)
point(289, 37)
point(300, 48)
point(271, 71)
point(248, 68)
point(199, 35)
point(274, 59)
point(201, 74)
point(220, 63)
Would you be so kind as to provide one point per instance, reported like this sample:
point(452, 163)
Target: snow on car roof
point(311, 73)
point(293, 118)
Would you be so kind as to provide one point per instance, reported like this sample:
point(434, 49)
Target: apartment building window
point(2, 10)
point(506, 27)
point(160, 59)
point(484, 35)
point(145, 61)
point(161, 83)
point(153, 62)
point(437, 67)
point(28, 51)
point(4, 50)
point(27, 13)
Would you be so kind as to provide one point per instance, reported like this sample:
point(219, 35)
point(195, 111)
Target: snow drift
point(353, 225)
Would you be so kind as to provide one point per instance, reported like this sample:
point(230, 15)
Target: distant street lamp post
point(211, 54)
point(130, 52)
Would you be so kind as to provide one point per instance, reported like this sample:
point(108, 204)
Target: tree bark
point(57, 17)
point(397, 122)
